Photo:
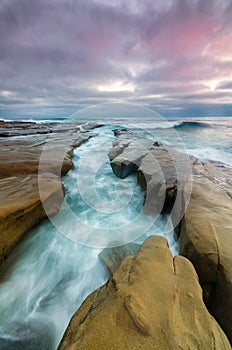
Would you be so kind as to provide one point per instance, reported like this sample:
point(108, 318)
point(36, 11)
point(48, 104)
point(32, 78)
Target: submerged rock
point(152, 302)
point(206, 240)
point(21, 206)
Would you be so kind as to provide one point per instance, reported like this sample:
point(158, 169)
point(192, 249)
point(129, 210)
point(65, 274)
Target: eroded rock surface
point(152, 302)
point(113, 257)
point(206, 240)
point(21, 206)
point(161, 172)
point(206, 229)
point(26, 151)
point(23, 156)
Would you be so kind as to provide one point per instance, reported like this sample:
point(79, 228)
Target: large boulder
point(21, 206)
point(161, 172)
point(152, 302)
point(206, 240)
point(128, 160)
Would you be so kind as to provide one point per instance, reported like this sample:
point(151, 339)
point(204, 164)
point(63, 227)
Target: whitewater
point(50, 274)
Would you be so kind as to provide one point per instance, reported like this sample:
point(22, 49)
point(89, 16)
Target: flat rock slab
point(206, 240)
point(21, 206)
point(26, 153)
point(23, 156)
point(152, 302)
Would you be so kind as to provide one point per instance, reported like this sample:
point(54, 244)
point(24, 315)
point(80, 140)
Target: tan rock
point(161, 172)
point(113, 257)
point(21, 161)
point(21, 206)
point(23, 157)
point(206, 240)
point(152, 302)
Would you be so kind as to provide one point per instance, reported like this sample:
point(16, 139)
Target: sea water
point(50, 274)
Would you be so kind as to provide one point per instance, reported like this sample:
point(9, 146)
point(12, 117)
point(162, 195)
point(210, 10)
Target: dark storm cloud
point(82, 52)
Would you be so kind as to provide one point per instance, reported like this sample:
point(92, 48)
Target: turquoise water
point(56, 267)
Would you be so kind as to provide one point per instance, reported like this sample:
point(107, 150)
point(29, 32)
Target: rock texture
point(21, 206)
point(206, 240)
point(206, 229)
point(22, 159)
point(23, 156)
point(152, 302)
point(113, 257)
point(161, 172)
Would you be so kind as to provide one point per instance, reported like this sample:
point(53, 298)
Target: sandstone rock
point(113, 257)
point(206, 240)
point(22, 160)
point(128, 161)
point(21, 206)
point(118, 148)
point(22, 157)
point(152, 302)
point(161, 173)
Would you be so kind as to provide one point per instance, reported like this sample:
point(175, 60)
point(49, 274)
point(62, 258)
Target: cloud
point(66, 53)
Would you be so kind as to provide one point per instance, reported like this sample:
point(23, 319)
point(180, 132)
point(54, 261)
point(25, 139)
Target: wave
point(191, 124)
point(178, 124)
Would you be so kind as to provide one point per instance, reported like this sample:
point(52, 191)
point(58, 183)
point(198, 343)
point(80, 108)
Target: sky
point(174, 56)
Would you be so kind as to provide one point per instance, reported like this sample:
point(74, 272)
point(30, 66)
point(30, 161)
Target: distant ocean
point(208, 138)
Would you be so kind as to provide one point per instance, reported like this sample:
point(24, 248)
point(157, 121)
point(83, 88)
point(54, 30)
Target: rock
point(129, 160)
point(118, 148)
point(161, 173)
point(90, 125)
point(113, 257)
point(21, 206)
point(22, 157)
point(122, 132)
point(206, 240)
point(152, 302)
point(22, 161)
point(216, 172)
point(19, 128)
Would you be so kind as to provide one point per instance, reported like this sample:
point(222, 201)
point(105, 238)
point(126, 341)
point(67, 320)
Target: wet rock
point(23, 156)
point(22, 162)
point(161, 172)
point(128, 161)
point(21, 206)
point(152, 302)
point(118, 148)
point(206, 240)
point(113, 257)
point(120, 132)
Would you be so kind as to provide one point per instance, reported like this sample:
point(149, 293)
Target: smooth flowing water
point(48, 274)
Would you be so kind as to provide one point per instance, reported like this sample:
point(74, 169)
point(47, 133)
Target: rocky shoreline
point(152, 301)
point(23, 197)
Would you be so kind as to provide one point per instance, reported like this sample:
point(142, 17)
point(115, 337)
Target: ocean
point(53, 270)
point(209, 138)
